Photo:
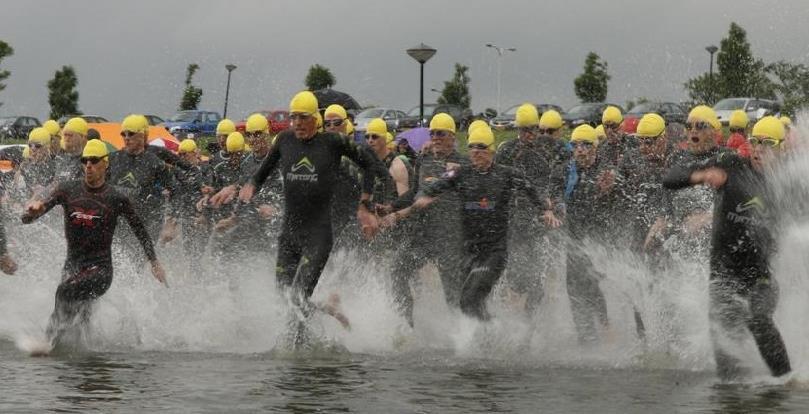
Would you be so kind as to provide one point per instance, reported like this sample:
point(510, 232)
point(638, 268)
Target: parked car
point(91, 119)
point(462, 116)
point(673, 113)
point(17, 126)
point(279, 120)
point(392, 118)
point(154, 120)
point(587, 113)
point(754, 107)
point(505, 120)
point(196, 121)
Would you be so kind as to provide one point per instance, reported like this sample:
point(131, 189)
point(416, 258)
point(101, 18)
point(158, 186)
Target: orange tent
point(111, 133)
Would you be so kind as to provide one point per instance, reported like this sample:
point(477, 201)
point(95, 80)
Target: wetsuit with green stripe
point(308, 169)
point(742, 290)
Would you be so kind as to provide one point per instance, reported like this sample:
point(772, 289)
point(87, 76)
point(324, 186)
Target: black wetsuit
point(586, 219)
point(742, 291)
point(484, 204)
point(255, 230)
point(435, 237)
point(90, 217)
point(544, 162)
point(142, 178)
point(184, 205)
point(308, 169)
point(67, 167)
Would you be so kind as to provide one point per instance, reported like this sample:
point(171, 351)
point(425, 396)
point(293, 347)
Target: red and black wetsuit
point(90, 215)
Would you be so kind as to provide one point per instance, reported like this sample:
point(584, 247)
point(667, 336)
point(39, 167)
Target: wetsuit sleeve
point(267, 166)
point(57, 197)
point(3, 245)
point(170, 158)
point(680, 175)
point(138, 228)
point(371, 166)
point(447, 182)
point(520, 182)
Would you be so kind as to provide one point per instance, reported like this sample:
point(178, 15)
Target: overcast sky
point(131, 56)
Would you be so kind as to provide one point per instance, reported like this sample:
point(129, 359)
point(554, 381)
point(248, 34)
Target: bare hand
point(224, 196)
point(383, 209)
point(7, 264)
point(713, 177)
point(202, 203)
point(247, 192)
point(35, 208)
point(696, 222)
point(223, 225)
point(169, 231)
point(207, 190)
point(655, 235)
point(159, 273)
point(388, 221)
point(550, 219)
point(266, 211)
point(369, 223)
point(606, 181)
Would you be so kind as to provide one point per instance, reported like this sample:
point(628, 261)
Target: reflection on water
point(735, 398)
point(88, 381)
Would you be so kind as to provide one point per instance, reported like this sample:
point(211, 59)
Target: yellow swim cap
point(135, 123)
point(705, 114)
point(303, 102)
point(95, 148)
point(483, 136)
point(40, 136)
point(225, 127)
point(336, 110)
point(584, 133)
point(52, 127)
point(235, 142)
point(376, 126)
point(739, 119)
point(442, 121)
point(769, 127)
point(613, 115)
point(257, 123)
point(77, 125)
point(187, 145)
point(651, 126)
point(550, 119)
point(527, 116)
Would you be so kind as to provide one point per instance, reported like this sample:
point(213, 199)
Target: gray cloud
point(131, 56)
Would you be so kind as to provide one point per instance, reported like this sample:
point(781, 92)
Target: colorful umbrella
point(416, 137)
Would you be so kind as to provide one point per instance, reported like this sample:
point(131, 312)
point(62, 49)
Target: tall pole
point(500, 51)
point(230, 68)
point(421, 53)
point(421, 95)
point(711, 49)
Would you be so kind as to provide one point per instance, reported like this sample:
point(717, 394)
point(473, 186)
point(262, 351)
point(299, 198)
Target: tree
point(792, 85)
point(319, 77)
point(456, 90)
point(738, 73)
point(591, 86)
point(62, 94)
point(191, 95)
point(5, 51)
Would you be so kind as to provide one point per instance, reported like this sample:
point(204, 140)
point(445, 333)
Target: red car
point(279, 120)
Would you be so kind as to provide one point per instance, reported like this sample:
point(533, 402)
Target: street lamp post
point(230, 68)
point(711, 49)
point(500, 52)
point(421, 53)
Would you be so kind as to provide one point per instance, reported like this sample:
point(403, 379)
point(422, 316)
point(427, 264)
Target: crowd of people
point(484, 215)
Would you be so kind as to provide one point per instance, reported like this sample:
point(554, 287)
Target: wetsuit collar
point(98, 189)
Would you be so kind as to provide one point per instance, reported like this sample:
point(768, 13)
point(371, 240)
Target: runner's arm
point(138, 228)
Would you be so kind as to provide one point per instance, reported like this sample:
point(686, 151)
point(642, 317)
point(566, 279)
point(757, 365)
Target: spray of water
point(235, 307)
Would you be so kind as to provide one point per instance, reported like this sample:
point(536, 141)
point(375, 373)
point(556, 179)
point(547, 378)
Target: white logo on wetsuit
point(306, 165)
point(754, 204)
